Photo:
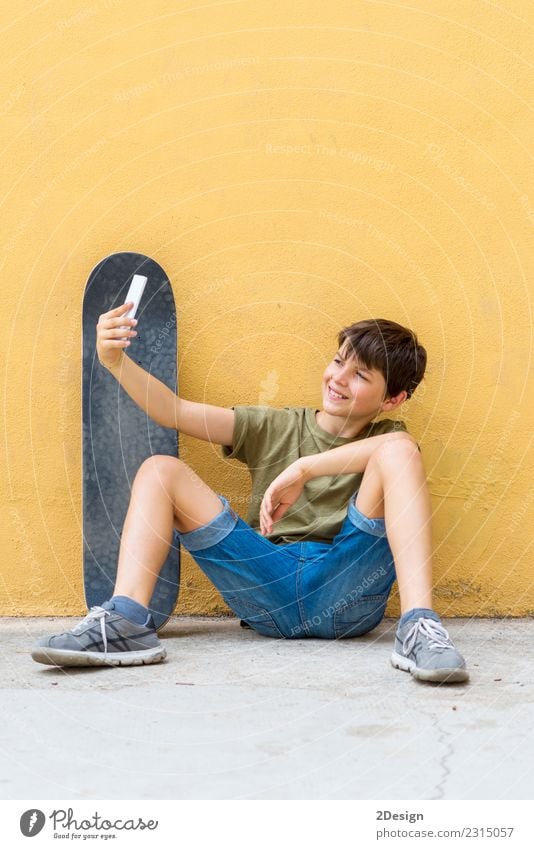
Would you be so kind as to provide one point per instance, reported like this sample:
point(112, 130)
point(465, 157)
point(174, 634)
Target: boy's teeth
point(335, 393)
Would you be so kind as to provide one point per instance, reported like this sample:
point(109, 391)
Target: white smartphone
point(135, 293)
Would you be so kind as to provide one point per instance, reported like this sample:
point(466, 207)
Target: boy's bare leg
point(166, 493)
point(394, 487)
point(121, 632)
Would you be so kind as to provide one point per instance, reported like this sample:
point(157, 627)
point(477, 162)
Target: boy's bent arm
point(204, 421)
point(350, 459)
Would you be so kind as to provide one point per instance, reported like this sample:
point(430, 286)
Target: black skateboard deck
point(117, 435)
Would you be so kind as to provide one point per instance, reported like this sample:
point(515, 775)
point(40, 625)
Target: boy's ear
point(394, 402)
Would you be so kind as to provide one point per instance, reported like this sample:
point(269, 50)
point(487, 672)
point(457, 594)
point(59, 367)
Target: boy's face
point(364, 389)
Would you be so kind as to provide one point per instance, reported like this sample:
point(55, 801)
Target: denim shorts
point(298, 589)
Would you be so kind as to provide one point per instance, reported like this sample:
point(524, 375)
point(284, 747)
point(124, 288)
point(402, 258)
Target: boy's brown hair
point(388, 347)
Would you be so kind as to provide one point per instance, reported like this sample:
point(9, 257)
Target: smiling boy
point(339, 509)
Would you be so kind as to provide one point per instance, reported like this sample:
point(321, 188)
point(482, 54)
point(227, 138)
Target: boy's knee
point(399, 445)
point(161, 464)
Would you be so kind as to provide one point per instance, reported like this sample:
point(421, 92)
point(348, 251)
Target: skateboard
point(117, 435)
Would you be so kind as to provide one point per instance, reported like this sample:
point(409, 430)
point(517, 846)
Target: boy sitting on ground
point(340, 508)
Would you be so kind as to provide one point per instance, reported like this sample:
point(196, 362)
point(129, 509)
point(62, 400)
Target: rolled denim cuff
point(213, 532)
point(376, 527)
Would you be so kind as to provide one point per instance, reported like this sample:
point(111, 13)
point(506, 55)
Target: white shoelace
point(95, 614)
point(438, 636)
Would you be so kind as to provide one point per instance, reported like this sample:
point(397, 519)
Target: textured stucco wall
point(294, 167)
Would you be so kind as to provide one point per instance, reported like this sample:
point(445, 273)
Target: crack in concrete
point(439, 789)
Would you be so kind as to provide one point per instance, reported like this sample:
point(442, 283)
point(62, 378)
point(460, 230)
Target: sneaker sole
point(453, 675)
point(60, 657)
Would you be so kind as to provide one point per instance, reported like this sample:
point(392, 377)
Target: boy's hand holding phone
point(113, 334)
point(114, 327)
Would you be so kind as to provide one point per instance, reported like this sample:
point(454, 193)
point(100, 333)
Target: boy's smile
point(352, 396)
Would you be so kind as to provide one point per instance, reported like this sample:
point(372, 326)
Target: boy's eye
point(339, 363)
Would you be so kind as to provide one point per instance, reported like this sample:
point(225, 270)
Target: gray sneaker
point(424, 648)
point(103, 638)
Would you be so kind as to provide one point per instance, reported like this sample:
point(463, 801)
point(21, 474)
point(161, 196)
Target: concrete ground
point(234, 715)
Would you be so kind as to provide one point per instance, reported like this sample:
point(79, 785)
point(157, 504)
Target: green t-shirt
point(268, 440)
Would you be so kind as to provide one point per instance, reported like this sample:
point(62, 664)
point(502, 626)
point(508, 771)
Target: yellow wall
point(294, 166)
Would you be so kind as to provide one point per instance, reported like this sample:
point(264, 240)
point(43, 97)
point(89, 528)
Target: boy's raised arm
point(204, 421)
